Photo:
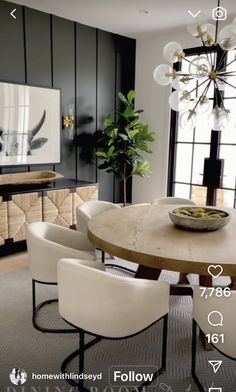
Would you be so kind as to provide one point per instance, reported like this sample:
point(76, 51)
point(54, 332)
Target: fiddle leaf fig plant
point(122, 142)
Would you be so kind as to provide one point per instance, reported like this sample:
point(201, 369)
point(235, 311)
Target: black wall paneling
point(14, 169)
point(125, 81)
point(86, 100)
point(89, 66)
point(38, 47)
point(64, 78)
point(12, 64)
point(125, 75)
point(38, 54)
point(106, 74)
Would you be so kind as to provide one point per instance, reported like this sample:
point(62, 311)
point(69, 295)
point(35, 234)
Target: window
point(189, 148)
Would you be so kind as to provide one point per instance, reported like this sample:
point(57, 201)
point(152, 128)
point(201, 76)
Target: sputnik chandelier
point(205, 69)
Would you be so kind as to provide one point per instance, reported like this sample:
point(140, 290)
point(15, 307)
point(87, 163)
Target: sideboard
point(55, 203)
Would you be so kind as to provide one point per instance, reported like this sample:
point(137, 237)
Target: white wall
point(153, 99)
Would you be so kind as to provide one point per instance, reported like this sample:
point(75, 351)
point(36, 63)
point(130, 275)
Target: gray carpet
point(22, 346)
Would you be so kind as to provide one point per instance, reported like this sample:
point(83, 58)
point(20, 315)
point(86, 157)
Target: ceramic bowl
point(203, 219)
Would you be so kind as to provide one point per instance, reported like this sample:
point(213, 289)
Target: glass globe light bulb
point(179, 100)
point(162, 74)
point(203, 105)
point(173, 52)
point(209, 36)
point(188, 120)
point(218, 119)
point(227, 37)
point(199, 67)
point(180, 82)
point(197, 27)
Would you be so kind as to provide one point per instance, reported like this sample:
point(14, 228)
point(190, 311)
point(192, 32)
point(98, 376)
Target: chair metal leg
point(115, 265)
point(163, 355)
point(194, 355)
point(81, 351)
point(164, 342)
point(120, 267)
point(83, 347)
point(35, 310)
point(81, 360)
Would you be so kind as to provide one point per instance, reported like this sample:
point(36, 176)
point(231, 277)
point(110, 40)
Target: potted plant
point(122, 141)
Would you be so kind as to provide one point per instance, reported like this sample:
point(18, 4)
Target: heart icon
point(215, 270)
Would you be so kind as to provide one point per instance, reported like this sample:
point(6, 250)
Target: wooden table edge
point(158, 262)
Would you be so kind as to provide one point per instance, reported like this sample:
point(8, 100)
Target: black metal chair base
point(120, 267)
point(154, 377)
point(70, 357)
point(116, 265)
point(40, 306)
point(83, 347)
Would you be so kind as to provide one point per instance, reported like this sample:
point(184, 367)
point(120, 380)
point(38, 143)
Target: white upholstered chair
point(108, 306)
point(90, 209)
point(173, 200)
point(202, 307)
point(46, 244)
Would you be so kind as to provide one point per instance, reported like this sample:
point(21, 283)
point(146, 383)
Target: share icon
point(216, 365)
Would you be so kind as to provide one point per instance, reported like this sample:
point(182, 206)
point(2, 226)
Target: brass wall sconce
point(69, 122)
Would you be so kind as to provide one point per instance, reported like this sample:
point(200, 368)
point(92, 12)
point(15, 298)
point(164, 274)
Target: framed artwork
point(30, 125)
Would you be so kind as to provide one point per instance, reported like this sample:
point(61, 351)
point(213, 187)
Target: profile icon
point(18, 376)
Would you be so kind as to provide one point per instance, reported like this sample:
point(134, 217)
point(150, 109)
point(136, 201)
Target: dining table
point(144, 234)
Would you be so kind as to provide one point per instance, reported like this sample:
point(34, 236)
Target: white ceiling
point(123, 16)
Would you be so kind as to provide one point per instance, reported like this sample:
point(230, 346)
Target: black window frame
point(215, 136)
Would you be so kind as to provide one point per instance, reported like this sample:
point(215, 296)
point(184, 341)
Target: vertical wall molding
point(52, 75)
point(84, 62)
point(25, 55)
point(115, 114)
point(75, 107)
point(51, 47)
point(96, 120)
point(24, 39)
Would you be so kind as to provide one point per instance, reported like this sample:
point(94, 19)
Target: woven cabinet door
point(22, 209)
point(57, 207)
point(3, 221)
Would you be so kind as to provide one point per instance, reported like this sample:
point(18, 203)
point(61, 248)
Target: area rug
point(42, 353)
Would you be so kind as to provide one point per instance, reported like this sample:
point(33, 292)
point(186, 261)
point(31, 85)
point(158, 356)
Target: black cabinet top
point(59, 184)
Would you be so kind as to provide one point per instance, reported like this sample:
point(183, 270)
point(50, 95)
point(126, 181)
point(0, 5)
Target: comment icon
point(215, 318)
